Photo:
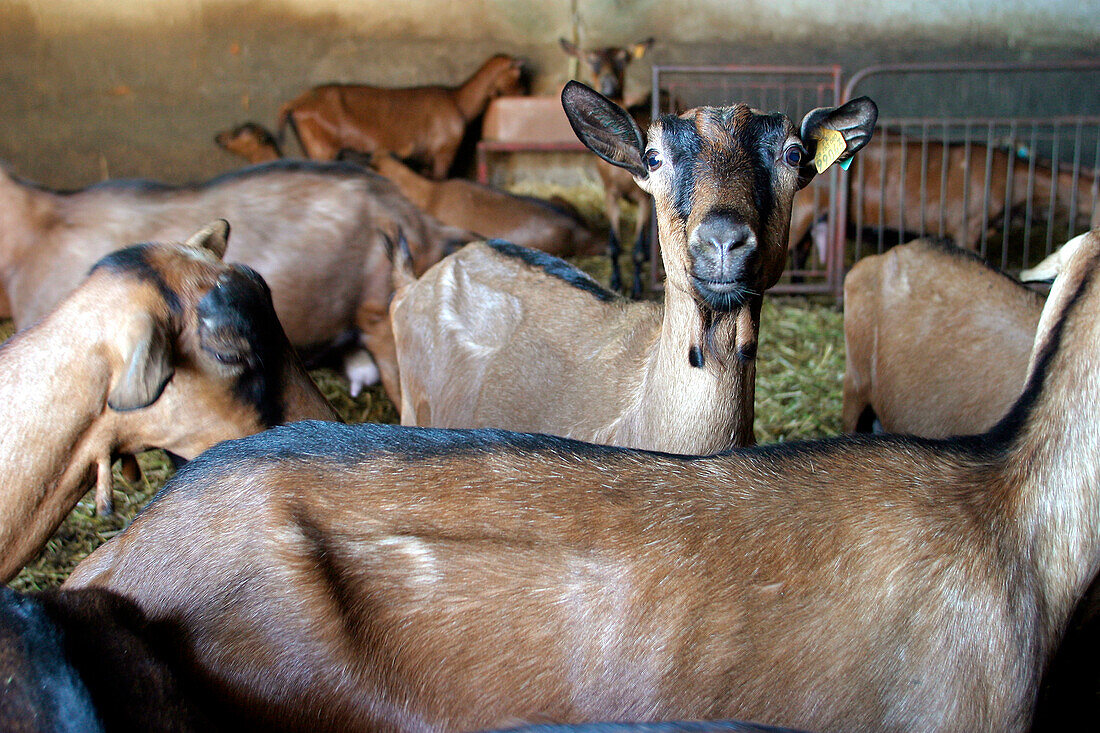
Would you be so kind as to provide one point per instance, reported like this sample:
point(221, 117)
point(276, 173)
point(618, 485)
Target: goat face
point(723, 179)
point(607, 66)
point(507, 76)
point(205, 359)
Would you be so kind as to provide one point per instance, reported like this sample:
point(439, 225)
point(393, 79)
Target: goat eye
point(653, 160)
point(793, 155)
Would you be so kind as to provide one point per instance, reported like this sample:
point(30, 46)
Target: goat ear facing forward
point(605, 128)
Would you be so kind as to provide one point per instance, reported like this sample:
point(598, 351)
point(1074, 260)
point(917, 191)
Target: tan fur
point(470, 582)
point(900, 204)
point(316, 235)
point(489, 212)
point(422, 123)
point(59, 378)
point(937, 343)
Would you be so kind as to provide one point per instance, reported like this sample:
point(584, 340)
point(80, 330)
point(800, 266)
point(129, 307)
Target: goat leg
point(129, 467)
point(104, 499)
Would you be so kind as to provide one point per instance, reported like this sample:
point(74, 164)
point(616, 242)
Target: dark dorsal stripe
point(554, 267)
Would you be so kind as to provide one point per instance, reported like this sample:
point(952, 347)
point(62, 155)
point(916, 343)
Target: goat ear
point(569, 47)
point(148, 358)
point(604, 127)
point(854, 120)
point(639, 49)
point(213, 237)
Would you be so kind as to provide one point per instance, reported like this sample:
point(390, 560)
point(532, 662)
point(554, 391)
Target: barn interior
point(96, 90)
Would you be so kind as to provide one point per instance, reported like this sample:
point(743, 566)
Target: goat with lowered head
point(463, 580)
point(496, 335)
point(162, 346)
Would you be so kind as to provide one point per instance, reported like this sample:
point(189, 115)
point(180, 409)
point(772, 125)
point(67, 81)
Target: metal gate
point(1001, 158)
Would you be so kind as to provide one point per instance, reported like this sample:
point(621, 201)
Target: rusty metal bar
point(923, 178)
point(1052, 211)
point(963, 67)
point(1029, 207)
point(904, 158)
point(1010, 178)
point(1074, 179)
point(985, 190)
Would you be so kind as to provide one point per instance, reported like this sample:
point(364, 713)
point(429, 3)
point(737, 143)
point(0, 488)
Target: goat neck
point(26, 211)
point(705, 359)
point(499, 75)
point(1055, 452)
point(416, 188)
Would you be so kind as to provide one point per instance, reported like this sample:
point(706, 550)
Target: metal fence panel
point(1002, 158)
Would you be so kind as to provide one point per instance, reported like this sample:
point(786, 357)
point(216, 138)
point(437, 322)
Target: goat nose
point(724, 235)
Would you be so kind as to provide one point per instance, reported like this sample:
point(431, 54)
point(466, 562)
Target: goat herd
point(321, 576)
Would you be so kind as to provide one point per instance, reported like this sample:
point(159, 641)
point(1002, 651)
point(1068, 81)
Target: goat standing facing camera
point(499, 336)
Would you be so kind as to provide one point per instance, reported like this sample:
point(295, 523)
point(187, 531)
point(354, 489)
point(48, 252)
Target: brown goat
point(162, 346)
point(423, 124)
point(89, 660)
point(504, 337)
point(487, 211)
point(464, 580)
point(937, 341)
point(607, 72)
point(316, 232)
point(250, 140)
point(953, 200)
point(492, 213)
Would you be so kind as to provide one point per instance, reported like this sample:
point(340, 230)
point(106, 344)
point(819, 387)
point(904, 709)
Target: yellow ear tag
point(830, 146)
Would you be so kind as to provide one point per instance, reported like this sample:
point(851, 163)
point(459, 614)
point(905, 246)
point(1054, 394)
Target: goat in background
point(162, 346)
point(607, 71)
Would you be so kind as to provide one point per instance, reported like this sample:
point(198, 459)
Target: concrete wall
point(96, 88)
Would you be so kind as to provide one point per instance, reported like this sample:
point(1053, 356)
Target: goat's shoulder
point(556, 270)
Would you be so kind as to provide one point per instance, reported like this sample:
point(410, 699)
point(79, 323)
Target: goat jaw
point(104, 498)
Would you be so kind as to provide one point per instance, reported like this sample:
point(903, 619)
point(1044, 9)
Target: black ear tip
point(573, 88)
point(866, 105)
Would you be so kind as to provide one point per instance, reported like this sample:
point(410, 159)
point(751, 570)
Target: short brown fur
point(315, 231)
point(937, 341)
point(425, 124)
